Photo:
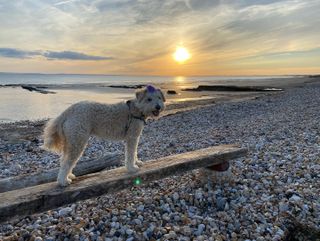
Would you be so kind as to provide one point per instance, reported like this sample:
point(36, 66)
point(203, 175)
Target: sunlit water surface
point(19, 104)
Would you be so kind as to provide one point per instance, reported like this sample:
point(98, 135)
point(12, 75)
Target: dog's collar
point(132, 116)
point(139, 118)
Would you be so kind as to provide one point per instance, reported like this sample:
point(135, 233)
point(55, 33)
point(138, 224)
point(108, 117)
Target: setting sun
point(181, 54)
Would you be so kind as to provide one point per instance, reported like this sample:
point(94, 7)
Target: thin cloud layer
point(70, 55)
point(222, 36)
point(51, 55)
point(17, 53)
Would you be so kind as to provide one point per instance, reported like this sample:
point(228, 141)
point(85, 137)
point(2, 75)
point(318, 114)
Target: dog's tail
point(54, 139)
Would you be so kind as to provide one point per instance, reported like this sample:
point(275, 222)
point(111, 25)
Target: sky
point(139, 37)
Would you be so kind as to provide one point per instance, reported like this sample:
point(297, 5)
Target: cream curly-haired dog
point(68, 133)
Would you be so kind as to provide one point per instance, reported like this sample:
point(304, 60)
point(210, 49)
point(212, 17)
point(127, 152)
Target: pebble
point(175, 196)
point(283, 207)
point(65, 211)
point(129, 231)
point(186, 230)
point(295, 198)
point(221, 203)
point(140, 208)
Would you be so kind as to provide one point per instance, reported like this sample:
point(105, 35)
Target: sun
point(181, 55)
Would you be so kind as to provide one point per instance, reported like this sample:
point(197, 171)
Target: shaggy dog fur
point(68, 133)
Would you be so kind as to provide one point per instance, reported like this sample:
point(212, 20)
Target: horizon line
point(258, 75)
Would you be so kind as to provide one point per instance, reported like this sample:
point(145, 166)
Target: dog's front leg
point(131, 154)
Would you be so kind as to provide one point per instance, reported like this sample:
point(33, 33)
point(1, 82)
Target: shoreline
point(30, 129)
point(33, 102)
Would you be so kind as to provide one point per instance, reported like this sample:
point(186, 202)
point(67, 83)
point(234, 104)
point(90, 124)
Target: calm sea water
point(13, 78)
point(19, 104)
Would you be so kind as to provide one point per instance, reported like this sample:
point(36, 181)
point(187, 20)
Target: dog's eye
point(149, 99)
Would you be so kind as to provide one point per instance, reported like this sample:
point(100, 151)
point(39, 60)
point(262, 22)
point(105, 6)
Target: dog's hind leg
point(72, 153)
point(65, 166)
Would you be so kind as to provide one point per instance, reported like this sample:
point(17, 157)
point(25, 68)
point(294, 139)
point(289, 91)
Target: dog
point(68, 134)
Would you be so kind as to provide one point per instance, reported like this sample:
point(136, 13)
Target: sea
point(18, 104)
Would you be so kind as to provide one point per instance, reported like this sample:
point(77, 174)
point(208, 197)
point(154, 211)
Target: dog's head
point(150, 101)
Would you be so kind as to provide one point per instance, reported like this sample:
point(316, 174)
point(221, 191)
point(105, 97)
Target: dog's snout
point(158, 107)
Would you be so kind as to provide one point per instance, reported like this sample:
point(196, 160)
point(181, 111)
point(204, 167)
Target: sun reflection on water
point(179, 79)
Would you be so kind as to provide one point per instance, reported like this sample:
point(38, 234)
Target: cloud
point(314, 53)
point(244, 3)
point(17, 53)
point(144, 33)
point(166, 11)
point(144, 12)
point(63, 2)
point(202, 4)
point(68, 55)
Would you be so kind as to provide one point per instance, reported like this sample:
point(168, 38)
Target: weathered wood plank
point(48, 196)
point(82, 168)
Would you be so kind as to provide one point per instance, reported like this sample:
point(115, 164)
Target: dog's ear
point(140, 94)
point(162, 95)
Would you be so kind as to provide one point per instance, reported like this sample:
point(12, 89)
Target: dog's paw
point(133, 169)
point(139, 163)
point(71, 176)
point(64, 183)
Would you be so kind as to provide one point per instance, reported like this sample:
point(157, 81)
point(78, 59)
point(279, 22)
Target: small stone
point(201, 228)
point(295, 198)
point(199, 194)
point(280, 232)
point(52, 239)
point(186, 230)
point(175, 196)
point(221, 203)
point(8, 227)
point(283, 207)
point(233, 235)
point(177, 218)
point(140, 208)
point(200, 238)
point(171, 235)
point(129, 231)
point(65, 211)
point(137, 221)
point(147, 235)
point(17, 167)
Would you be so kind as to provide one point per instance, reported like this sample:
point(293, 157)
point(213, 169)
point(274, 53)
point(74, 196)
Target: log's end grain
point(222, 167)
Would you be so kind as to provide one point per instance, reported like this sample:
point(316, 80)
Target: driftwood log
point(48, 196)
point(82, 168)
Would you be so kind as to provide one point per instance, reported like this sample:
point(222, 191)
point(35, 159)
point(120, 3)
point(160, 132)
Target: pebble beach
point(272, 192)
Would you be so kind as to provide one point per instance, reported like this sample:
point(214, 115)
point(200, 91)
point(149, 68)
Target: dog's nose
point(158, 107)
